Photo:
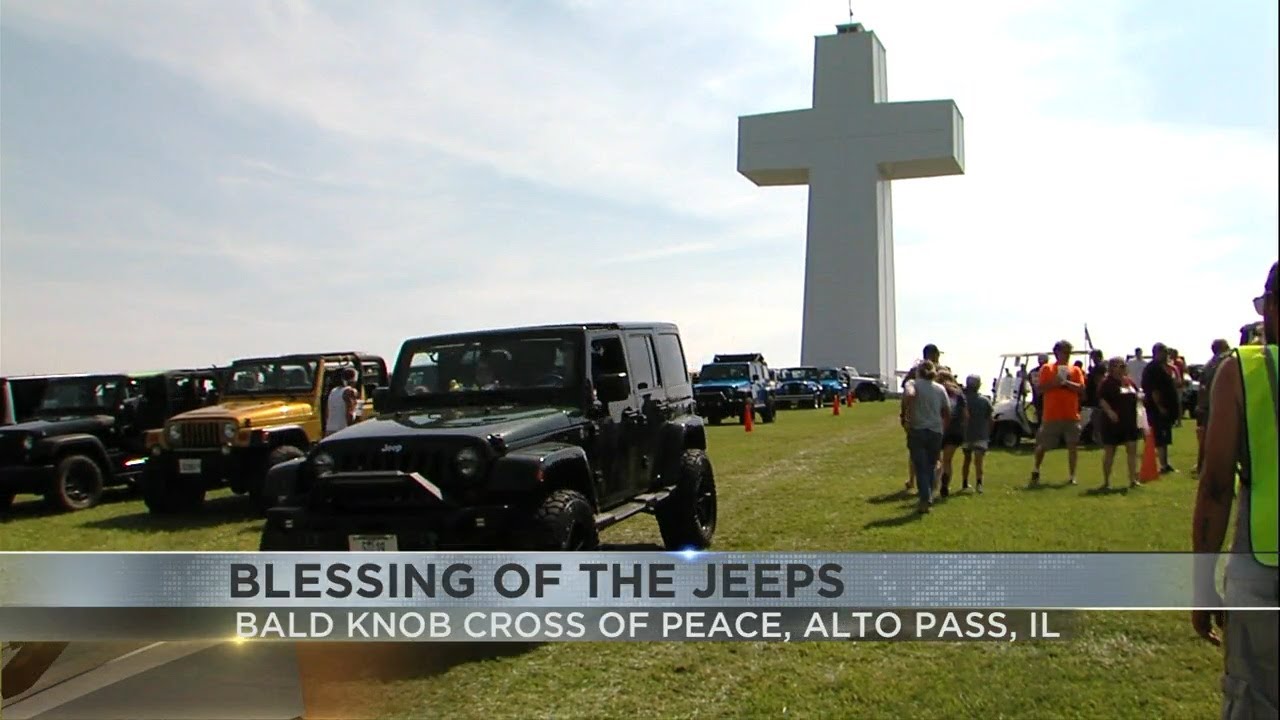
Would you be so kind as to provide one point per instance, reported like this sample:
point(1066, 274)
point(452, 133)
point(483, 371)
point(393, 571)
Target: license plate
point(372, 543)
point(189, 466)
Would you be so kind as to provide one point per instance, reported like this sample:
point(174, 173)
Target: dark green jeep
point(525, 439)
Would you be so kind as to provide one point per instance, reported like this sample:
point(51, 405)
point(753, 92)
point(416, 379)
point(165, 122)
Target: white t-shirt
point(1135, 368)
point(337, 419)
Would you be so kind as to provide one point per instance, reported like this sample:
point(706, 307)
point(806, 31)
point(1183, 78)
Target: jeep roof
point(739, 357)
point(549, 328)
point(361, 355)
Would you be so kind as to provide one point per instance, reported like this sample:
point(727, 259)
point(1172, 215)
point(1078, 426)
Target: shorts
point(975, 446)
point(952, 440)
point(1053, 431)
point(1112, 436)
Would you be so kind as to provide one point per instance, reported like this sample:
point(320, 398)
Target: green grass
point(809, 482)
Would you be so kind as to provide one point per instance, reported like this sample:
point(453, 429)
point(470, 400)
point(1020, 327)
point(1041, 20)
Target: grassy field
point(809, 482)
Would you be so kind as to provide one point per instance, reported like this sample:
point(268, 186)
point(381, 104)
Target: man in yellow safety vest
point(1242, 436)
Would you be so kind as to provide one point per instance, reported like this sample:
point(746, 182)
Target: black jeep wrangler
point(523, 439)
point(88, 432)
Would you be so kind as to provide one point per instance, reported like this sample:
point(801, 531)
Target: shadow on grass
point(218, 511)
point(34, 506)
point(911, 516)
point(900, 495)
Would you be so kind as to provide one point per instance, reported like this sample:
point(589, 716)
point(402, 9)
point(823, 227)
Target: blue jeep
point(833, 381)
point(729, 382)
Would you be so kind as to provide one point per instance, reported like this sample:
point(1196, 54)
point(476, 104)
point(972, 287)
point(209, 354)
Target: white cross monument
point(847, 148)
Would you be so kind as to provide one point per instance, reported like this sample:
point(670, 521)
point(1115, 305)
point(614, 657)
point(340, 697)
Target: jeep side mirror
point(613, 387)
point(380, 396)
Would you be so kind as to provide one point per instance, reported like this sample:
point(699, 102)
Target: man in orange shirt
point(1062, 385)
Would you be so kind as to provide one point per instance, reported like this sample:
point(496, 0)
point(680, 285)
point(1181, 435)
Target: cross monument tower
point(847, 148)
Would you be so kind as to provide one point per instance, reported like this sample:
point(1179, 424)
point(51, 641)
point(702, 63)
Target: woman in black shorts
point(1118, 403)
point(953, 438)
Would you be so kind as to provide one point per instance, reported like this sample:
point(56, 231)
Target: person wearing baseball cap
point(1242, 433)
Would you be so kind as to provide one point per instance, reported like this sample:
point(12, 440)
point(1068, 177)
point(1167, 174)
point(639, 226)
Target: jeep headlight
point(229, 431)
point(322, 463)
point(28, 442)
point(175, 433)
point(467, 461)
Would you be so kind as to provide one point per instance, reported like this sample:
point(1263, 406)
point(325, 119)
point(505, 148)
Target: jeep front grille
point(422, 461)
point(200, 434)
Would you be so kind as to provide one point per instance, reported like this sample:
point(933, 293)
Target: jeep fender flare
point(278, 435)
point(544, 468)
point(682, 433)
point(48, 450)
point(283, 483)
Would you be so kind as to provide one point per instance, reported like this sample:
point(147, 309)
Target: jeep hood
point(51, 426)
point(258, 412)
point(718, 384)
point(511, 424)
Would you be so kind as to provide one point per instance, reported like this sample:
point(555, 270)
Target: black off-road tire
point(715, 420)
point(169, 496)
point(769, 413)
point(273, 540)
point(6, 501)
point(77, 484)
point(262, 501)
point(1007, 436)
point(563, 522)
point(687, 518)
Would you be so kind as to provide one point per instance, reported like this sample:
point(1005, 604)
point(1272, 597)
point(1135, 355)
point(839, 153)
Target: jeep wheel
point(164, 496)
point(262, 500)
point(6, 501)
point(564, 522)
point(768, 413)
point(1007, 436)
point(715, 419)
point(77, 484)
point(687, 519)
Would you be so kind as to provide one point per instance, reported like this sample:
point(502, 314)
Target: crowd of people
point(1124, 398)
point(1237, 464)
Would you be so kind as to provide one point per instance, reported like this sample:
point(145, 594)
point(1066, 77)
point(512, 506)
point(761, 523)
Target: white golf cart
point(1015, 416)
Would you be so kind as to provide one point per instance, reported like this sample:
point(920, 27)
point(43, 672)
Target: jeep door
point(614, 451)
point(650, 405)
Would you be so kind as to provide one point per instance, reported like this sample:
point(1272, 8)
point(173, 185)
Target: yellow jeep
point(270, 410)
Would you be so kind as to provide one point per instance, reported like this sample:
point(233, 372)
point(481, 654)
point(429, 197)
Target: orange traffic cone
point(835, 404)
point(1150, 470)
point(748, 416)
point(852, 399)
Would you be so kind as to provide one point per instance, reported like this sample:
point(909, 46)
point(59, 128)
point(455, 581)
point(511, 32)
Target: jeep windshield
point(487, 368)
point(725, 371)
point(800, 374)
point(830, 374)
point(75, 395)
point(271, 377)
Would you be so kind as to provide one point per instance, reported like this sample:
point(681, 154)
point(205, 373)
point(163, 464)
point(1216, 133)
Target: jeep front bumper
point(211, 468)
point(23, 479)
point(422, 529)
point(720, 406)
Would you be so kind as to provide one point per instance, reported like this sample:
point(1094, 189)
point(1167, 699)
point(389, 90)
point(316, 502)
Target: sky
point(184, 183)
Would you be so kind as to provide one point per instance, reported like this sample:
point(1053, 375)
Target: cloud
point(473, 166)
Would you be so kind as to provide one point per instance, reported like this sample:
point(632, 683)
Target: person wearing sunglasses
point(1242, 434)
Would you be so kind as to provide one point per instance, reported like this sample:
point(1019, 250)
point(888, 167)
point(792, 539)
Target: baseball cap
point(931, 349)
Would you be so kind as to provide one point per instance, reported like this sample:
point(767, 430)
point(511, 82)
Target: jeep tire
point(6, 501)
point(164, 496)
point(687, 518)
point(77, 484)
point(768, 413)
point(563, 522)
point(261, 499)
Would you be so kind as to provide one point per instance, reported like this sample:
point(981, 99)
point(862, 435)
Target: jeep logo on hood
point(389, 448)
